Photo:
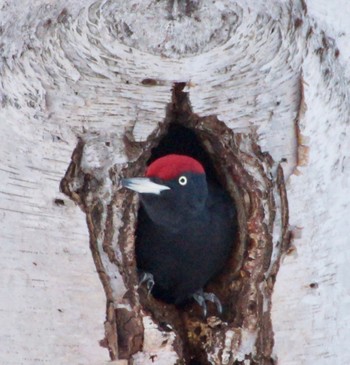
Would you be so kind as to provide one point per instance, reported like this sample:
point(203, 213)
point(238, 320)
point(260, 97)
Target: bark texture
point(88, 88)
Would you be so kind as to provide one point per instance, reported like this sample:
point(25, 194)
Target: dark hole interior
point(195, 362)
point(184, 141)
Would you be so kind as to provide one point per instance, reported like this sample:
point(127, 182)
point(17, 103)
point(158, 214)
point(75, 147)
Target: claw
point(201, 297)
point(147, 278)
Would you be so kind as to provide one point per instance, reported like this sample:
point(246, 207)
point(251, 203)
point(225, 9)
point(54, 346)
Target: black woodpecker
point(185, 230)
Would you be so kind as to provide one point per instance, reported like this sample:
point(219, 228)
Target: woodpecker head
point(174, 189)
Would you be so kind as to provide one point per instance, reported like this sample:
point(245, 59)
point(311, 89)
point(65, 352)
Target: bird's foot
point(148, 278)
point(201, 297)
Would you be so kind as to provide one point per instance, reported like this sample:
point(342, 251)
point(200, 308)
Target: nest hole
point(236, 162)
point(185, 133)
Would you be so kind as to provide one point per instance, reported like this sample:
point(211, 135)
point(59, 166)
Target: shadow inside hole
point(184, 141)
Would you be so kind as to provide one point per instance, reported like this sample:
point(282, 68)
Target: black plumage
point(185, 233)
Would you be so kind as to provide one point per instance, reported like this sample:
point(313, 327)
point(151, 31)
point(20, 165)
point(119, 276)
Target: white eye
point(182, 180)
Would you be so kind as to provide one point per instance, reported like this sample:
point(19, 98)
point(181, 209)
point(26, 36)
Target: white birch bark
point(276, 71)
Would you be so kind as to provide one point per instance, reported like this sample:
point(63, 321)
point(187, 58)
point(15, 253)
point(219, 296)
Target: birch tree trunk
point(90, 90)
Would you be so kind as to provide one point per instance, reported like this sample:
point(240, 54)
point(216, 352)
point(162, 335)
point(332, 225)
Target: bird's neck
point(178, 222)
